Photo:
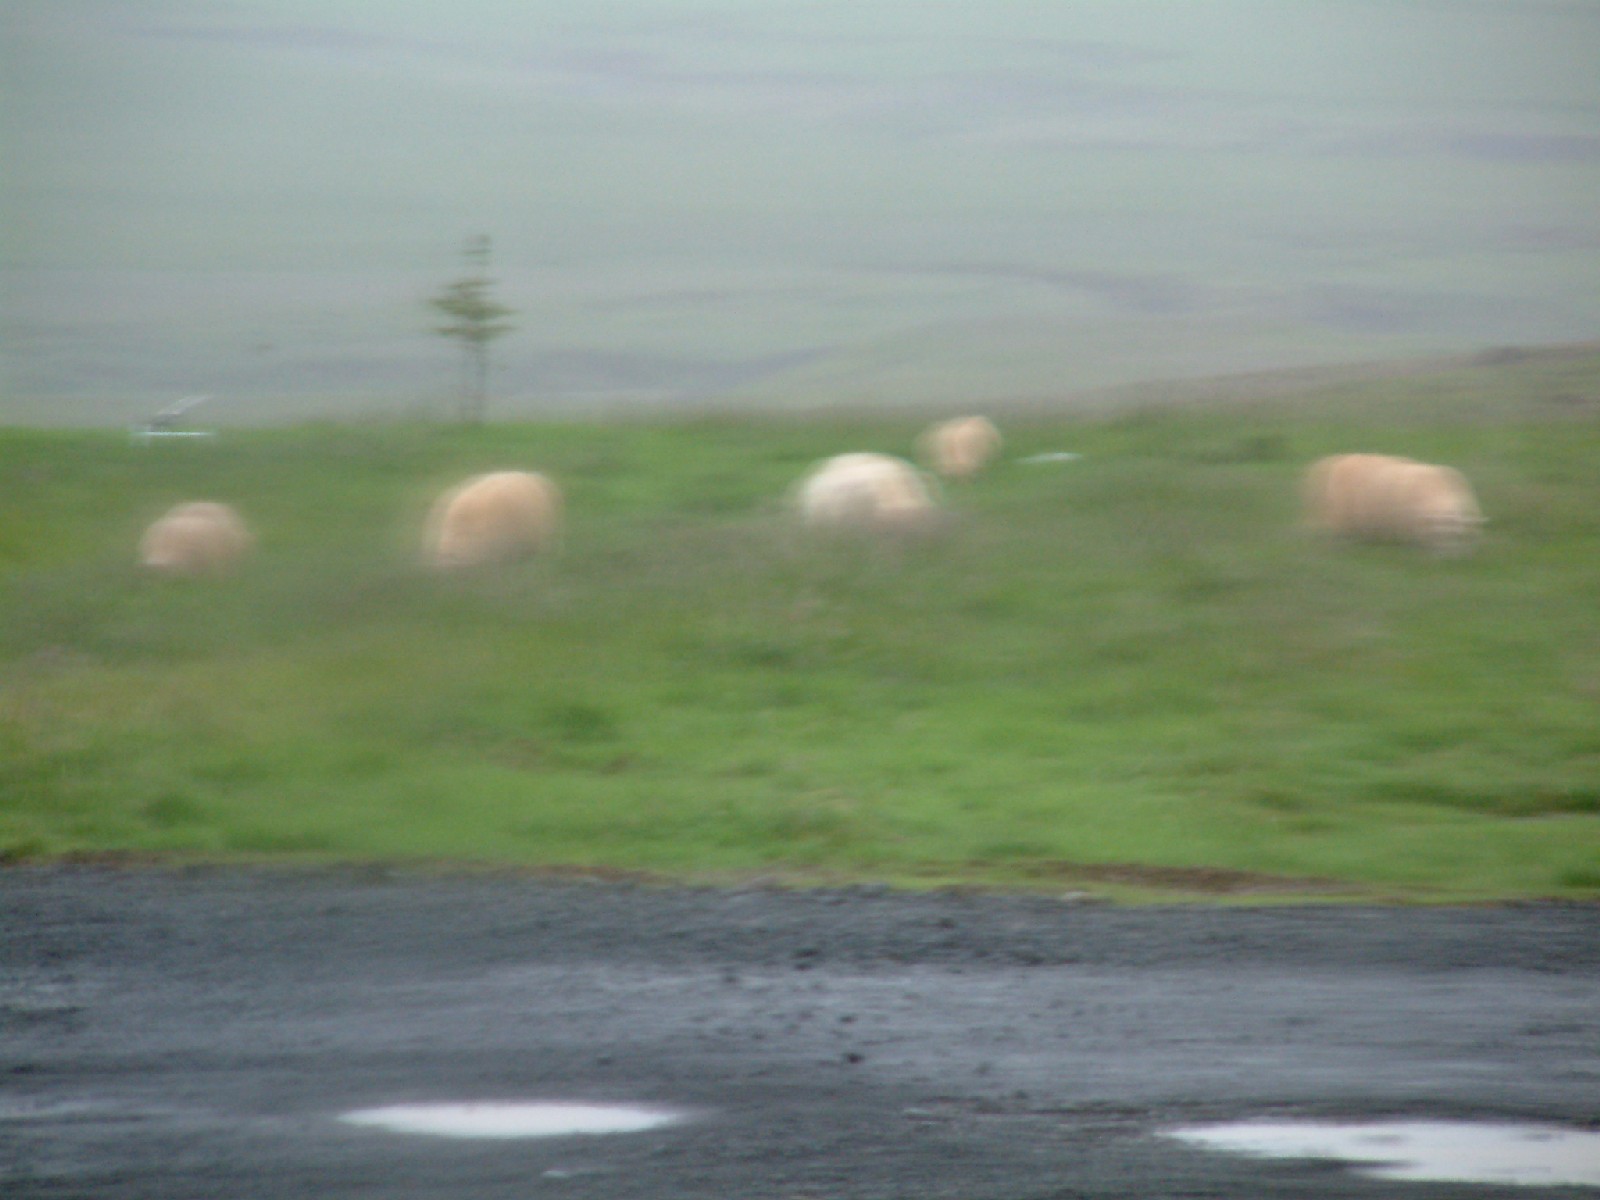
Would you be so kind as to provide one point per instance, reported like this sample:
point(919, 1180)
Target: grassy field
point(1128, 673)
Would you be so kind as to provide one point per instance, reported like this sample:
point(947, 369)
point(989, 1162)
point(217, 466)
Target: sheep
point(491, 519)
point(959, 449)
point(197, 538)
point(862, 492)
point(1384, 498)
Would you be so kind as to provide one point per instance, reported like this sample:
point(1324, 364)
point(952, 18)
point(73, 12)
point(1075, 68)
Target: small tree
point(475, 321)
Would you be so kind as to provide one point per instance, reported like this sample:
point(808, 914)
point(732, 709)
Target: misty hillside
point(780, 205)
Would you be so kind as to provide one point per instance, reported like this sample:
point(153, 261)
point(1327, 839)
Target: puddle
point(1444, 1151)
point(28, 1109)
point(506, 1120)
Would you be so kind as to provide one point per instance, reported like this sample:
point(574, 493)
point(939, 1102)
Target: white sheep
point(197, 538)
point(1383, 498)
point(863, 492)
point(491, 519)
point(959, 449)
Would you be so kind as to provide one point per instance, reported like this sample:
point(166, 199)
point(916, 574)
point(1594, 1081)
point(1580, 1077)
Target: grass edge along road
point(1129, 673)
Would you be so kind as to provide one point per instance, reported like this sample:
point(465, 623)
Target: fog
point(763, 203)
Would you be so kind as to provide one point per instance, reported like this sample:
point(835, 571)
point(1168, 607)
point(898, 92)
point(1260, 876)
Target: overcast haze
point(779, 203)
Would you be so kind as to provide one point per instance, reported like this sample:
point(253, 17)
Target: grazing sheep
point(866, 492)
point(959, 449)
point(1379, 497)
point(492, 518)
point(199, 538)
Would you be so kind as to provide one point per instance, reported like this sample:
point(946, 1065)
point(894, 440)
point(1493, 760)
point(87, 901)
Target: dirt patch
point(1211, 881)
point(974, 876)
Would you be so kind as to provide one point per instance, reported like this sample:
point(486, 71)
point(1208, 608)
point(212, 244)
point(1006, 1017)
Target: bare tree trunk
point(480, 382)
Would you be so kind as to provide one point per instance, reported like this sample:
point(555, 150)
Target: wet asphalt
point(197, 1032)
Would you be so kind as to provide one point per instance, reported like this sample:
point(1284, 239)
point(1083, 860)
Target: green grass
point(1130, 673)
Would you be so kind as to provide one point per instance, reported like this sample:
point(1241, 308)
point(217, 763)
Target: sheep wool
point(959, 449)
point(198, 538)
point(865, 492)
point(1379, 497)
point(491, 519)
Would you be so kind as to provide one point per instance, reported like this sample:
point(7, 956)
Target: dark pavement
point(196, 1033)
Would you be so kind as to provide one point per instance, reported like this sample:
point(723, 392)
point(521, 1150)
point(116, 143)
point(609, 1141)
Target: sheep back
point(492, 518)
point(958, 449)
point(201, 537)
